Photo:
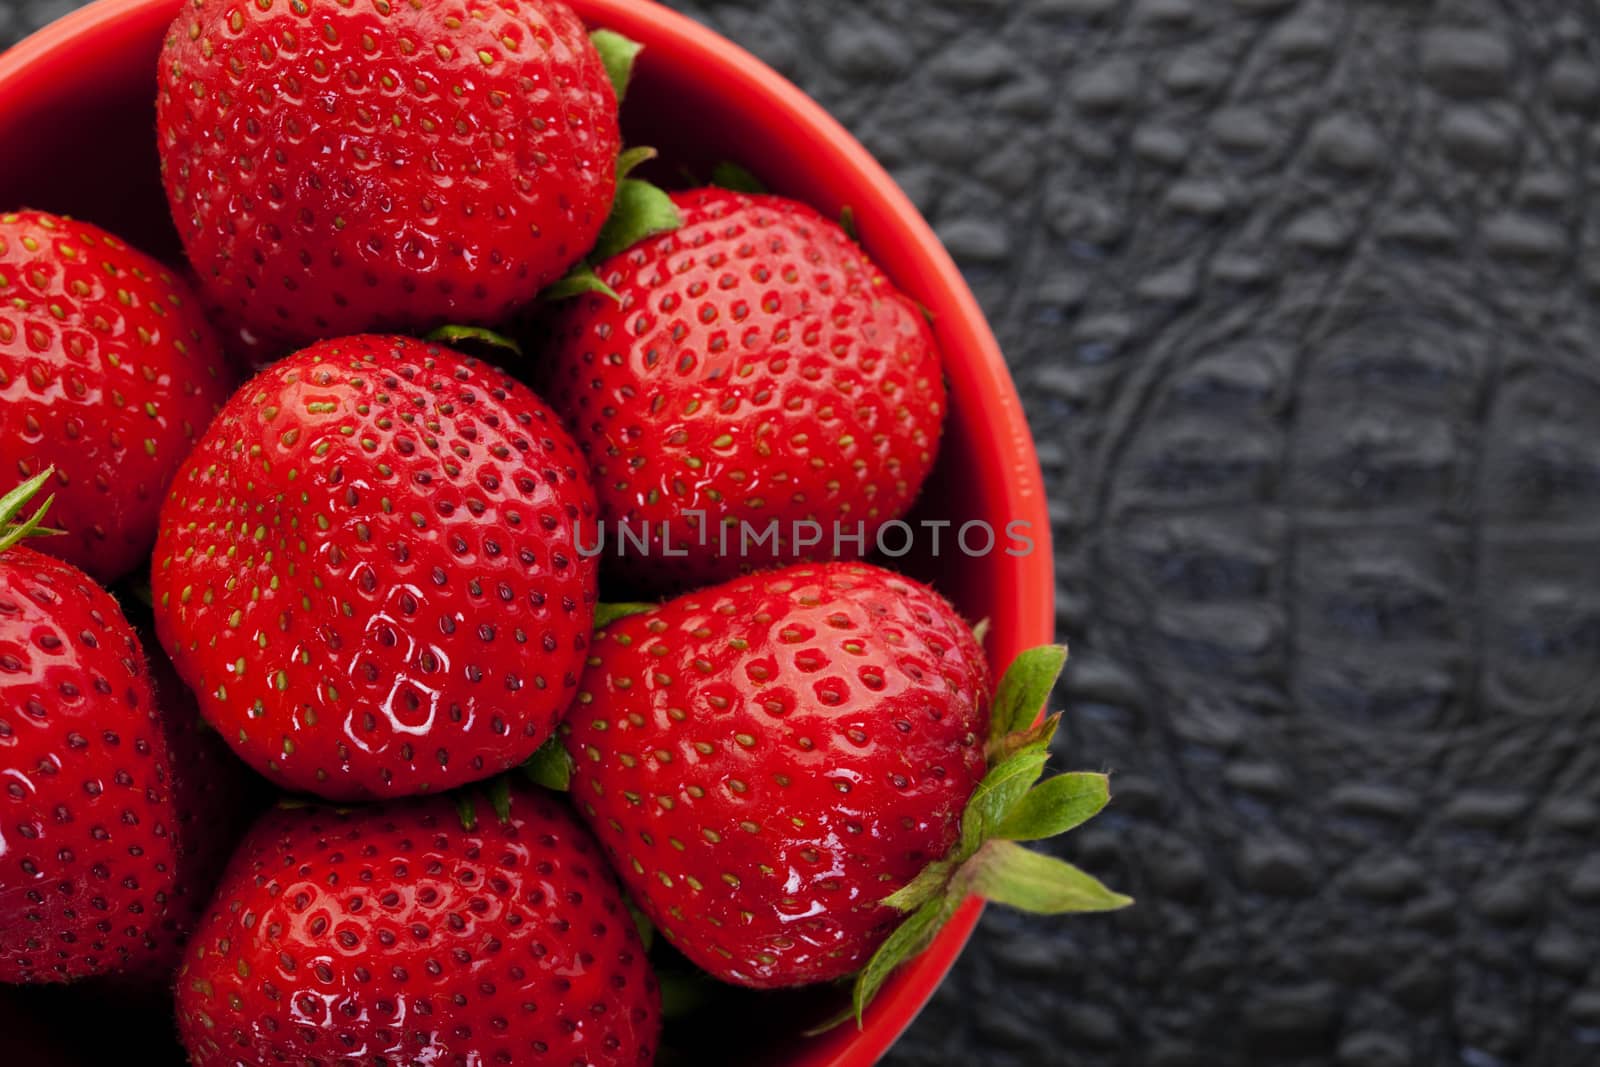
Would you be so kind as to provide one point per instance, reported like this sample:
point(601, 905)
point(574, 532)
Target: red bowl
point(80, 97)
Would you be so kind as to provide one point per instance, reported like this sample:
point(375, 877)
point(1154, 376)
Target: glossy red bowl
point(77, 118)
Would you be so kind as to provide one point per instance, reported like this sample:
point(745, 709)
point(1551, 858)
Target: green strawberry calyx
point(619, 54)
point(606, 614)
point(14, 527)
point(847, 223)
point(550, 767)
point(497, 791)
point(474, 339)
point(640, 209)
point(736, 179)
point(1013, 803)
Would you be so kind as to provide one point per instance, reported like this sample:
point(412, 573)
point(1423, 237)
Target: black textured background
point(1300, 297)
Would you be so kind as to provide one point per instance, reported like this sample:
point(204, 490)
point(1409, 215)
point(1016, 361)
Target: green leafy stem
point(14, 526)
point(640, 209)
point(1013, 803)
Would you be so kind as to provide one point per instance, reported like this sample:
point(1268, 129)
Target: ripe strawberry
point(758, 367)
point(109, 371)
point(88, 841)
point(335, 168)
point(391, 934)
point(770, 761)
point(366, 570)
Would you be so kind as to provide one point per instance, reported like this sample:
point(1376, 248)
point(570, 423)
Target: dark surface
point(1299, 296)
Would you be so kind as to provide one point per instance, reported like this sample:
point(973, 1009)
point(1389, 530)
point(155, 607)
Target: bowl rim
point(980, 377)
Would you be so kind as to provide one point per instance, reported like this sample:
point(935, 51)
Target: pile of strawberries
point(371, 568)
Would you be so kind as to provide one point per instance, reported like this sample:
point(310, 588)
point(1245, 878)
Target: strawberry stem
point(13, 530)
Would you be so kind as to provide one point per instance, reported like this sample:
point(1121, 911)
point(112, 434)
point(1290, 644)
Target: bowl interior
point(81, 97)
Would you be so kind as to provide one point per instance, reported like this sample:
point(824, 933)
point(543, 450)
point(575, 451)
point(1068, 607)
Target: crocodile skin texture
point(1299, 295)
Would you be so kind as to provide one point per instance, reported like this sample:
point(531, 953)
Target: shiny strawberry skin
point(110, 372)
point(367, 571)
point(389, 934)
point(338, 167)
point(87, 812)
point(758, 367)
point(769, 759)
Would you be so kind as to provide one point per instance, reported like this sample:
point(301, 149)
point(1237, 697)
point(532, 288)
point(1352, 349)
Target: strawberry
point(367, 571)
point(400, 934)
point(88, 819)
point(109, 371)
point(385, 165)
point(785, 766)
point(755, 367)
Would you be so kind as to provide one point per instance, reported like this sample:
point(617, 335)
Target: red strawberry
point(88, 822)
point(757, 368)
point(391, 934)
point(343, 167)
point(109, 371)
point(769, 761)
point(366, 570)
